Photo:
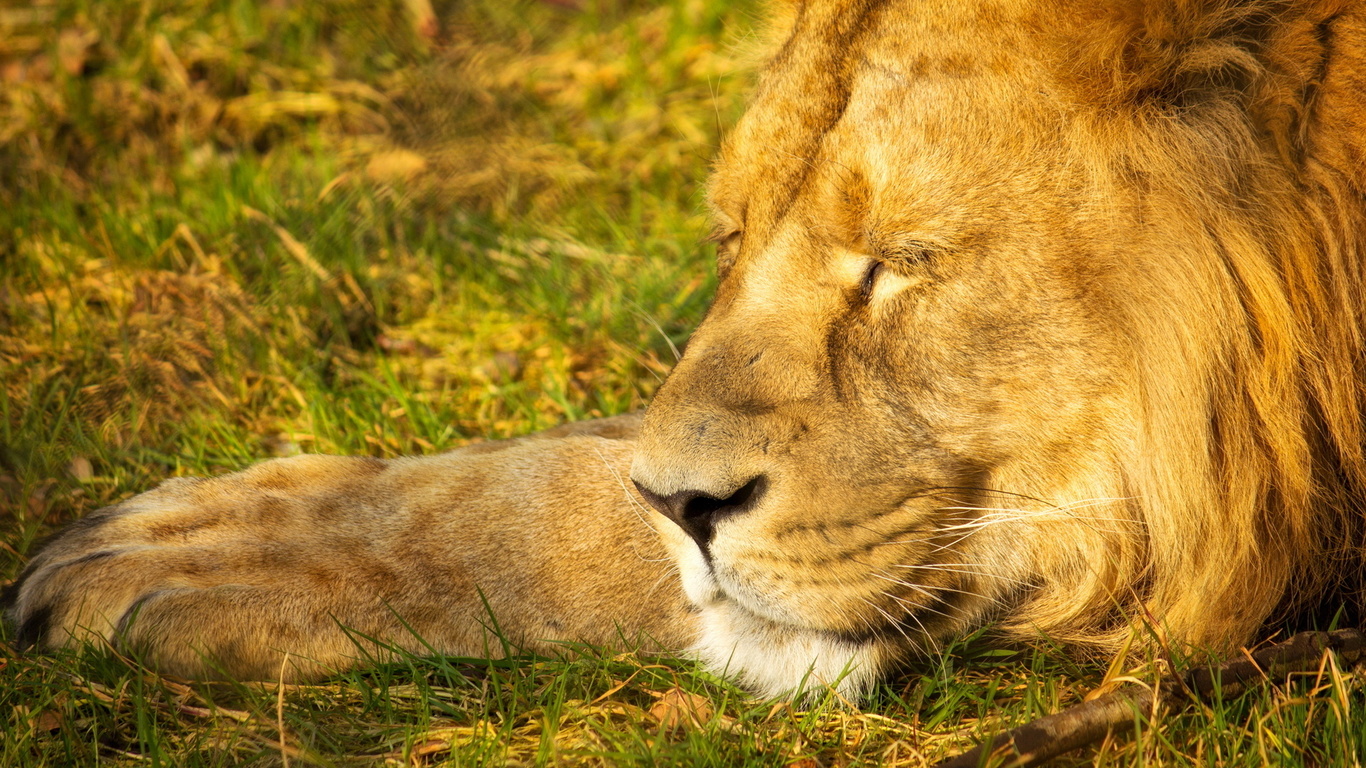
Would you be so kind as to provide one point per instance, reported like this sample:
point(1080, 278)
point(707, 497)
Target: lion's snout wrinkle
point(697, 512)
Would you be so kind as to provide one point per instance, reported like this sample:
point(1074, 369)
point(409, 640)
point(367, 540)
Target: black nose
point(697, 512)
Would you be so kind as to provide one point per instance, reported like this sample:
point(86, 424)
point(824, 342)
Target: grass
point(231, 230)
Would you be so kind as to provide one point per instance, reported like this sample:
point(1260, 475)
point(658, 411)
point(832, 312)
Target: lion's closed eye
point(727, 241)
point(892, 269)
point(865, 288)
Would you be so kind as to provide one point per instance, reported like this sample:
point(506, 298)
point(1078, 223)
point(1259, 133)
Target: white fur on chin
point(783, 661)
point(771, 659)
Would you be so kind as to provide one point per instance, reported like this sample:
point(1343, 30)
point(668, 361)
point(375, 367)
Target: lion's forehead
point(912, 43)
point(925, 115)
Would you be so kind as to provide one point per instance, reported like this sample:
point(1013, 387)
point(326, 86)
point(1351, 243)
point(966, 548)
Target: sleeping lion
point(1033, 315)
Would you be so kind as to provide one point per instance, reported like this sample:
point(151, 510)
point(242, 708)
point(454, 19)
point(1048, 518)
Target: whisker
point(1004, 515)
point(927, 593)
point(936, 490)
point(915, 607)
point(636, 506)
point(910, 614)
point(892, 620)
point(965, 569)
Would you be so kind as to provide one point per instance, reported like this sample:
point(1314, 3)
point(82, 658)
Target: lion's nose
point(697, 513)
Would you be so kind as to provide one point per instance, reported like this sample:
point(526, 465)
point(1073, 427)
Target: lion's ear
point(1276, 61)
point(1177, 54)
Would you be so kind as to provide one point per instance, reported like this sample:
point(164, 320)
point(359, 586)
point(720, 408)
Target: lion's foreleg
point(515, 545)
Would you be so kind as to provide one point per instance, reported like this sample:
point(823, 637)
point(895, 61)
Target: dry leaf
point(47, 721)
point(676, 707)
point(80, 468)
point(429, 747)
point(395, 165)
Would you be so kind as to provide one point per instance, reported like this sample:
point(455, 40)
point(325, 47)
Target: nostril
point(697, 512)
point(712, 508)
point(660, 503)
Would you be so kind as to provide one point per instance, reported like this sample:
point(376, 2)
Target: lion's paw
point(196, 577)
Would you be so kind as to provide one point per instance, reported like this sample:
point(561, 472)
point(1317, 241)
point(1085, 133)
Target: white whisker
point(889, 617)
point(927, 593)
point(963, 568)
point(910, 614)
point(636, 506)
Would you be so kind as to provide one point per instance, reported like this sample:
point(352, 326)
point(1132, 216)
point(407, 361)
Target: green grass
point(231, 230)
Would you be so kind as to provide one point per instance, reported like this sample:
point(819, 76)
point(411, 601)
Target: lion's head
point(1041, 314)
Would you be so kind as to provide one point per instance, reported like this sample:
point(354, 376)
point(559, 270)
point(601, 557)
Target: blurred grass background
point(231, 230)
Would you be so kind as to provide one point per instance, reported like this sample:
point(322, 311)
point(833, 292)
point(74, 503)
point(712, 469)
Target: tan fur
point(536, 538)
point(1046, 315)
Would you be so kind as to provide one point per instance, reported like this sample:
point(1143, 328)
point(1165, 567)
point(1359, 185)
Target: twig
point(280, 712)
point(1085, 723)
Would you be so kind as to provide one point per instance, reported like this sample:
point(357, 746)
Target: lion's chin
point(778, 660)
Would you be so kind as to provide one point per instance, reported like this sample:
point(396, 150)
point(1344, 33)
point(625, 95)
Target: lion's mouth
point(871, 612)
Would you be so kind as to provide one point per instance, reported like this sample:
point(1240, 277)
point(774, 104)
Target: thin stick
point(1075, 727)
point(280, 712)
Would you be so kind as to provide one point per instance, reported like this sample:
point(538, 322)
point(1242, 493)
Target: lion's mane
point(1254, 497)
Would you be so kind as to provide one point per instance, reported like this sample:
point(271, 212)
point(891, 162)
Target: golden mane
point(1246, 121)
